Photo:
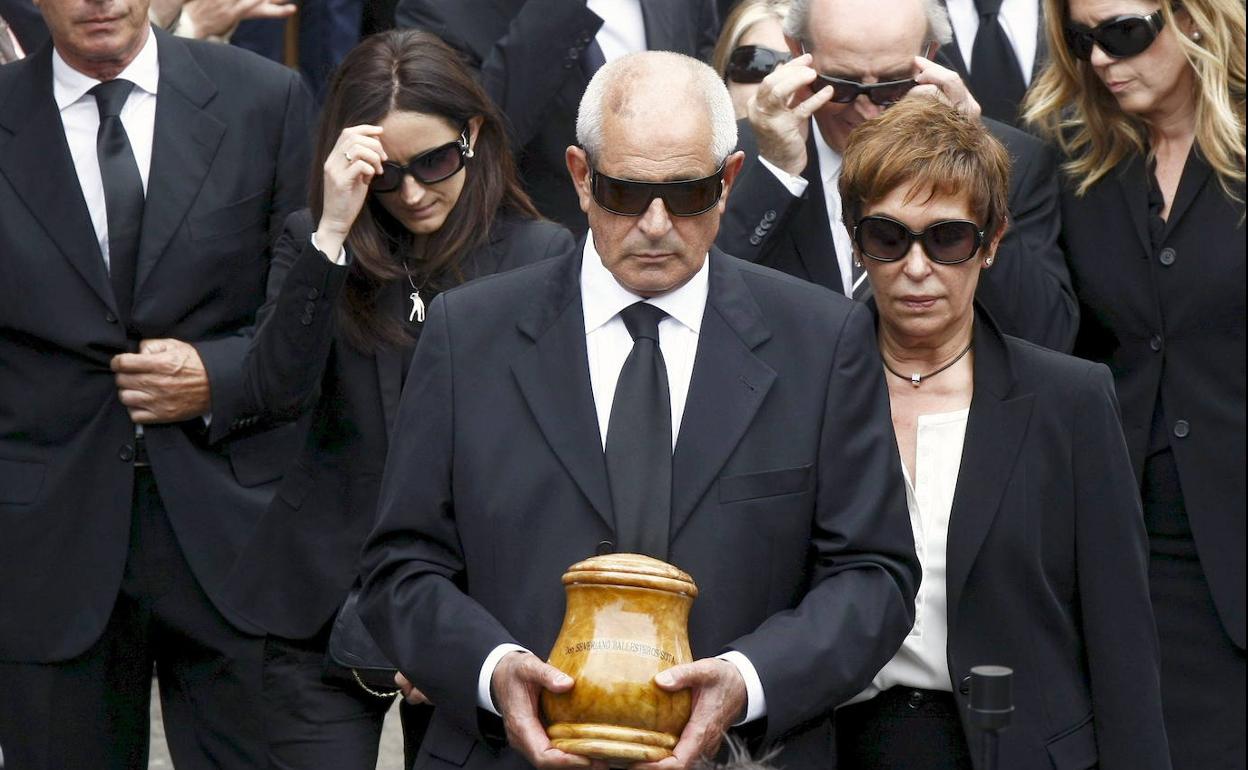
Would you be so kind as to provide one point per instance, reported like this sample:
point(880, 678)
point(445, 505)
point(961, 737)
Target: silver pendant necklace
point(418, 305)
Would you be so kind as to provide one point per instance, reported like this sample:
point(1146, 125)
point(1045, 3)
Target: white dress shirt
point(1019, 18)
point(607, 345)
point(81, 119)
point(922, 661)
point(623, 29)
point(830, 174)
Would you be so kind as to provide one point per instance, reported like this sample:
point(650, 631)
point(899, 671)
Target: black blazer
point(228, 165)
point(773, 510)
point(1027, 290)
point(1047, 563)
point(302, 557)
point(529, 54)
point(1170, 325)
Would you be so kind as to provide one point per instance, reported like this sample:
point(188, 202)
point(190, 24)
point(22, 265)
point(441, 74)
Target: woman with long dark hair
point(414, 192)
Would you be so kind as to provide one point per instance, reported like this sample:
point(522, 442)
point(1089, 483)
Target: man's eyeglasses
point(429, 167)
point(1119, 37)
point(752, 63)
point(686, 198)
point(950, 242)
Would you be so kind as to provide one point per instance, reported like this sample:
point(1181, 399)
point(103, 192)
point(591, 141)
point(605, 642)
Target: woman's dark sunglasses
point(886, 240)
point(686, 198)
point(429, 167)
point(1119, 37)
point(752, 63)
point(845, 91)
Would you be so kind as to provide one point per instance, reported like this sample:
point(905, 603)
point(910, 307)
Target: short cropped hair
point(701, 79)
point(927, 148)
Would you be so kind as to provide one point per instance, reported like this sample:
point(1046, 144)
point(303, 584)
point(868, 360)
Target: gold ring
point(347, 155)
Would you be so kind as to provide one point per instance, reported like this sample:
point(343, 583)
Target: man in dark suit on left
point(141, 177)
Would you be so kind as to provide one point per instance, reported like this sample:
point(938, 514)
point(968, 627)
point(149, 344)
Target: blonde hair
point(922, 145)
point(1069, 105)
point(744, 16)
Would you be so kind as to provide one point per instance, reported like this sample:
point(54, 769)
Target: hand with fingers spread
point(164, 382)
point(719, 700)
point(516, 685)
point(348, 171)
point(413, 696)
point(780, 113)
point(944, 84)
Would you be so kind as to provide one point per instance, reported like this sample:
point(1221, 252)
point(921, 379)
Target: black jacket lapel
point(553, 376)
point(1195, 175)
point(994, 434)
point(1133, 183)
point(178, 166)
point(46, 177)
point(729, 383)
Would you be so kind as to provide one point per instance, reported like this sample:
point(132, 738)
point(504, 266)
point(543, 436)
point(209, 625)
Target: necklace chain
point(917, 379)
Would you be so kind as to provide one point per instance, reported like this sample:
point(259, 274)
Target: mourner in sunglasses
point(848, 68)
point(751, 45)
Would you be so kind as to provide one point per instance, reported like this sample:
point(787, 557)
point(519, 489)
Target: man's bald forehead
point(648, 87)
point(845, 16)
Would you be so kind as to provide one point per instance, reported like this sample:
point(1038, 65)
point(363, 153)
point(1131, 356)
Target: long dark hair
point(412, 71)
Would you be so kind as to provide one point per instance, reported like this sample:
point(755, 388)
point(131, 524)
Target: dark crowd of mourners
point(913, 330)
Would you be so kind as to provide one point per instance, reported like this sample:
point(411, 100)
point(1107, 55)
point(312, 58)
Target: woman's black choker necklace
point(917, 379)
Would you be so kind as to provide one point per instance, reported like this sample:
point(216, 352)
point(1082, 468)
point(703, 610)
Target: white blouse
point(921, 662)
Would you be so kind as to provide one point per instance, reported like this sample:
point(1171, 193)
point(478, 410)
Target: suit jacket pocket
point(749, 486)
point(265, 456)
point(230, 218)
point(20, 481)
point(1074, 749)
point(446, 742)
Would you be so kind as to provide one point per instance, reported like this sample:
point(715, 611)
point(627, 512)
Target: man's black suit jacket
point(1027, 289)
point(1047, 564)
point(229, 162)
point(788, 506)
point(530, 56)
point(304, 554)
point(1170, 324)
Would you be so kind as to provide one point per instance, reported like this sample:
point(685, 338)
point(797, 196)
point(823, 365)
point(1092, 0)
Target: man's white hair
point(939, 30)
point(660, 73)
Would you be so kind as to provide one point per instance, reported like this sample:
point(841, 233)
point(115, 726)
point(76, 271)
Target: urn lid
point(630, 569)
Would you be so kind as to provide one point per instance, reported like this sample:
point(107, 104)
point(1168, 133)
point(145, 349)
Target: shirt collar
point(829, 159)
point(603, 297)
point(69, 85)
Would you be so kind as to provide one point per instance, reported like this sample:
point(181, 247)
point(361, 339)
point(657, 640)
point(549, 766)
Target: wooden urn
point(627, 619)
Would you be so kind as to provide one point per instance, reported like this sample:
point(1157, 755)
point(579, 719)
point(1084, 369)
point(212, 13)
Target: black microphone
point(991, 707)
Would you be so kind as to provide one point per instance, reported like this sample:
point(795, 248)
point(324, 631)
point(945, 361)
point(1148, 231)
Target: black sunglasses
point(845, 91)
point(685, 198)
point(949, 242)
point(429, 167)
point(752, 63)
point(1119, 37)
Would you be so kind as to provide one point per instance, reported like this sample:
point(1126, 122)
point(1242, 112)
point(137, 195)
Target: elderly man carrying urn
point(751, 446)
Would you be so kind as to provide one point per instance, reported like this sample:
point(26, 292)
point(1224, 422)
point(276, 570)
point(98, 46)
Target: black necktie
point(123, 191)
point(996, 77)
point(639, 440)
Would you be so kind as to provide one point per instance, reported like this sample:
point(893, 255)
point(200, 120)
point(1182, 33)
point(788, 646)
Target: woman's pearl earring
point(1196, 36)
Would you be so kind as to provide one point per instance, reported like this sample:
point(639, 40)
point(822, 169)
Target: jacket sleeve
point(1028, 290)
point(861, 602)
point(760, 208)
point(1112, 567)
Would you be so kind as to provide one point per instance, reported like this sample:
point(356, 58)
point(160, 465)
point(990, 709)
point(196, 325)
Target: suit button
point(110, 318)
point(573, 54)
point(964, 686)
point(306, 320)
point(916, 699)
point(126, 453)
point(770, 216)
point(765, 224)
point(1154, 342)
point(567, 65)
point(605, 547)
point(309, 309)
point(1167, 256)
point(1182, 428)
point(755, 240)
point(313, 294)
point(759, 231)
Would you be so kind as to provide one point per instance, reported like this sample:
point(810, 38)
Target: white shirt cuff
point(339, 259)
point(487, 675)
point(755, 701)
point(796, 185)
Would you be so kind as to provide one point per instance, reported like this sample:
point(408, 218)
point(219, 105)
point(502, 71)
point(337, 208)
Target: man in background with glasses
point(854, 58)
point(648, 394)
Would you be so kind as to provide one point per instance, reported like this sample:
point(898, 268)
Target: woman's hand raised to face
point(356, 158)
